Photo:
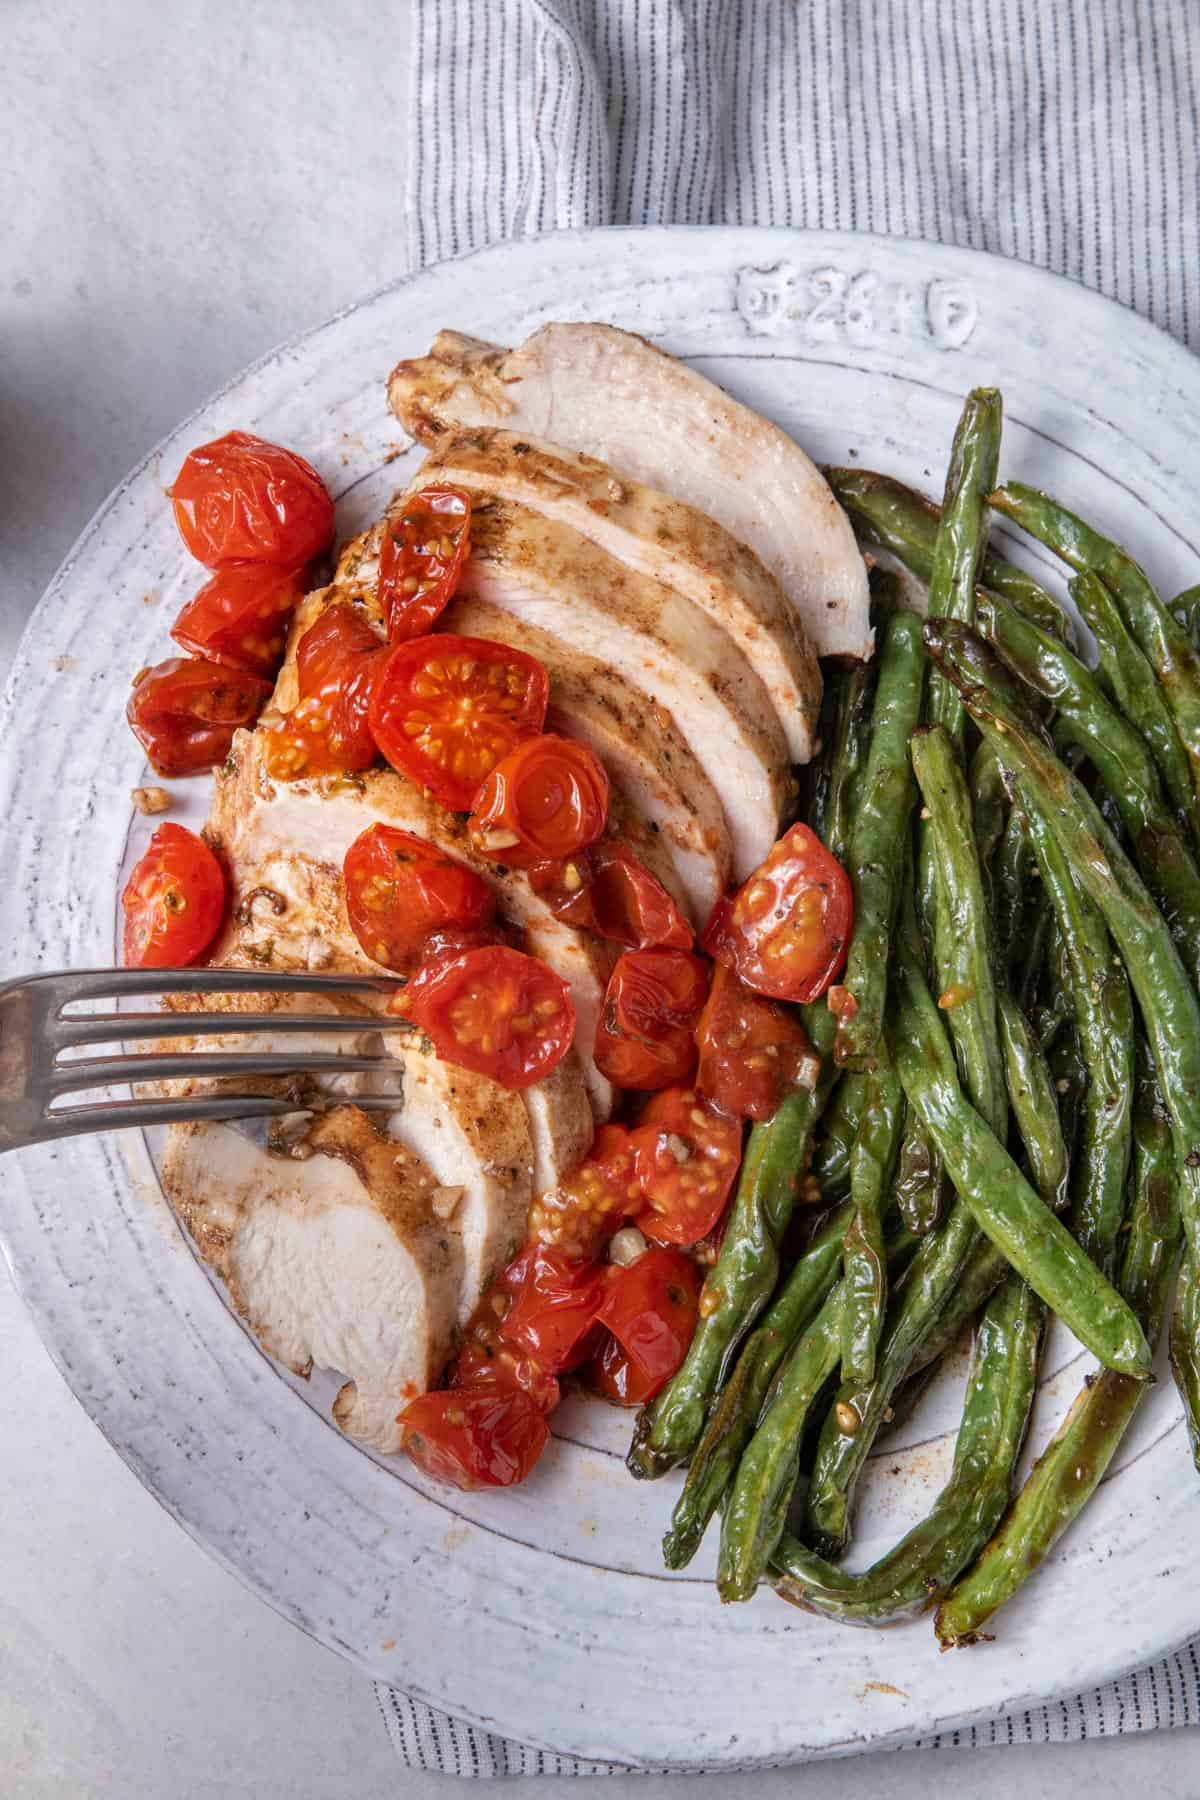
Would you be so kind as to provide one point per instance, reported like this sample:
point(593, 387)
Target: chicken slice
point(669, 801)
point(648, 762)
point(546, 575)
point(660, 537)
point(474, 1136)
point(334, 1255)
point(284, 844)
point(611, 394)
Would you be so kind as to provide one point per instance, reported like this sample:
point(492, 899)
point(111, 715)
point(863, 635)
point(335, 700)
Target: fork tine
point(105, 1028)
point(96, 984)
point(103, 1071)
point(113, 1115)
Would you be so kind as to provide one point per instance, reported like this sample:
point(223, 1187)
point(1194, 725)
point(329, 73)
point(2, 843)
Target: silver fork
point(37, 1033)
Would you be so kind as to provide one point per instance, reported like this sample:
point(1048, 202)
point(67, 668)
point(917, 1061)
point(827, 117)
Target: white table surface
point(183, 188)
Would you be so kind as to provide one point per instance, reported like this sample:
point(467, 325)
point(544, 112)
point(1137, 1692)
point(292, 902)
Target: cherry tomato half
point(546, 798)
point(485, 1435)
point(502, 1364)
point(651, 1309)
point(751, 1050)
point(686, 1158)
point(421, 559)
point(651, 1005)
point(615, 1375)
point(446, 709)
point(327, 732)
point(580, 1213)
point(555, 1299)
point(184, 712)
point(240, 499)
point(786, 930)
point(496, 1011)
point(173, 902)
point(608, 890)
point(240, 617)
point(399, 889)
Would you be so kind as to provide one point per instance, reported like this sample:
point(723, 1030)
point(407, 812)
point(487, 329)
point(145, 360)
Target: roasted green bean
point(1163, 641)
point(878, 840)
point(895, 518)
point(962, 535)
point(872, 1161)
point(1120, 757)
point(1000, 1385)
point(1168, 1003)
point(1073, 1464)
point(1136, 690)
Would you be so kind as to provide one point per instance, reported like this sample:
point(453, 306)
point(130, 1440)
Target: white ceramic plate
point(545, 1613)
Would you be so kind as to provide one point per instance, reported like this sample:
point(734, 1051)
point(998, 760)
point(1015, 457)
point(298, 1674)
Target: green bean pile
point(1007, 1120)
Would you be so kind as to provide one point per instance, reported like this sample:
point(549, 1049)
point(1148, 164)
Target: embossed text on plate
point(833, 305)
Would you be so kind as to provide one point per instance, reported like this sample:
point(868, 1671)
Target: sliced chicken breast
point(660, 537)
point(547, 575)
point(284, 844)
point(668, 798)
point(612, 395)
point(335, 1255)
point(648, 762)
point(475, 1138)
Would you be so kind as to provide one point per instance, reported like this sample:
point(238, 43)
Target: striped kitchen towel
point(1064, 135)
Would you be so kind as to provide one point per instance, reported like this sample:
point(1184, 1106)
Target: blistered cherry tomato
point(786, 930)
point(613, 1373)
point(651, 1005)
point(328, 732)
point(496, 1011)
point(686, 1158)
point(184, 712)
point(486, 1435)
point(651, 1309)
point(555, 1299)
point(546, 798)
point(173, 902)
point(446, 709)
point(400, 889)
point(240, 499)
point(485, 1359)
point(240, 617)
point(608, 890)
point(421, 559)
point(751, 1050)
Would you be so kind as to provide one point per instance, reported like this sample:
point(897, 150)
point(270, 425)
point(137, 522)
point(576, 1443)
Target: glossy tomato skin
point(400, 889)
point(489, 1434)
point(496, 1011)
point(240, 617)
point(174, 901)
point(499, 1362)
point(613, 1373)
point(609, 890)
point(547, 798)
point(421, 559)
point(751, 1051)
point(787, 929)
point(184, 712)
point(651, 1309)
point(241, 499)
point(328, 732)
point(446, 709)
point(651, 1005)
point(686, 1159)
point(555, 1299)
